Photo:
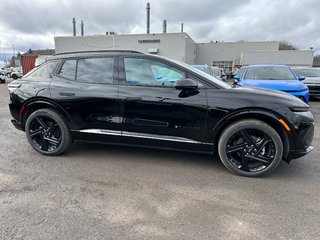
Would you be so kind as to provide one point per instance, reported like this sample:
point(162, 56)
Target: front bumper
point(303, 140)
point(314, 90)
point(299, 153)
point(303, 95)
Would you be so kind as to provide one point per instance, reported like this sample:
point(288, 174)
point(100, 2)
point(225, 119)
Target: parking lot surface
point(110, 192)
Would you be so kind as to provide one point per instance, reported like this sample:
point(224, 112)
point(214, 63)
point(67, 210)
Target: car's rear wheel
point(47, 132)
point(14, 76)
point(250, 148)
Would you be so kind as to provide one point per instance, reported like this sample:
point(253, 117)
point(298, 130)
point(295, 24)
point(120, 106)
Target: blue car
point(276, 77)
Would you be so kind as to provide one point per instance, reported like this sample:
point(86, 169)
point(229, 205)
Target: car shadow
point(103, 152)
point(149, 155)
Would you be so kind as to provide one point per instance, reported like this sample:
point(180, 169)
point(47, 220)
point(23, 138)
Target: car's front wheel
point(47, 132)
point(250, 148)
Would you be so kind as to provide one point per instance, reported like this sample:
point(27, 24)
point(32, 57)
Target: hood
point(241, 97)
point(282, 85)
point(312, 80)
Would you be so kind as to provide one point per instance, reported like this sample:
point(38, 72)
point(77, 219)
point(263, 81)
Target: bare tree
point(285, 45)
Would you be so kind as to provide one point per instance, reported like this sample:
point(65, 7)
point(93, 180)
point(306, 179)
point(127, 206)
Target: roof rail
point(98, 51)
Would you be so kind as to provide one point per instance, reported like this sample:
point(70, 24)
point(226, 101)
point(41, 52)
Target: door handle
point(133, 99)
point(66, 94)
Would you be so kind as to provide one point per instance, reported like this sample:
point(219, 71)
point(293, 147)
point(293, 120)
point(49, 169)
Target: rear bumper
point(17, 124)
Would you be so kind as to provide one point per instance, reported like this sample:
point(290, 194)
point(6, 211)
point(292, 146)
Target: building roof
point(38, 52)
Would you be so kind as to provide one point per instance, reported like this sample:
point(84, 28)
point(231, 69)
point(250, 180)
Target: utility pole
point(13, 53)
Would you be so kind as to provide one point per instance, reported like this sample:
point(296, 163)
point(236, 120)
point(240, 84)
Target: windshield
point(241, 71)
point(201, 73)
point(202, 68)
point(269, 73)
point(216, 72)
point(307, 72)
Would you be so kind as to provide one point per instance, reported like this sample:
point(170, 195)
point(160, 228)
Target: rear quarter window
point(44, 71)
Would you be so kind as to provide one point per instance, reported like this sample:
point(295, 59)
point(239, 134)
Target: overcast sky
point(33, 23)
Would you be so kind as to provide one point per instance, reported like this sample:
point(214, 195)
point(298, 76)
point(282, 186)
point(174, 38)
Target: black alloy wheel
point(250, 148)
point(47, 132)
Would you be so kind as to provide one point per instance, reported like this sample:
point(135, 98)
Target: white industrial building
point(182, 47)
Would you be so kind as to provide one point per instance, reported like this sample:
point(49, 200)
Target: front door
point(153, 111)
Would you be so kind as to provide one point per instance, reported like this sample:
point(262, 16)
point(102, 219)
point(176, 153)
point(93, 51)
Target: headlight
point(299, 109)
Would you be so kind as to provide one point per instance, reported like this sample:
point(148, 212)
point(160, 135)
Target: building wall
point(190, 51)
point(229, 51)
point(172, 45)
point(180, 46)
point(286, 57)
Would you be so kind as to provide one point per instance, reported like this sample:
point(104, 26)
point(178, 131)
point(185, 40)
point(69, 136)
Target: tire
point(47, 132)
point(14, 76)
point(250, 148)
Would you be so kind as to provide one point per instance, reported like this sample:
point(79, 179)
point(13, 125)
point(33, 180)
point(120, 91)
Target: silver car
point(312, 79)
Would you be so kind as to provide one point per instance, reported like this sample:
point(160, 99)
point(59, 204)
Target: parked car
point(276, 77)
point(7, 71)
point(2, 77)
point(127, 97)
point(229, 73)
point(213, 71)
point(219, 73)
point(17, 73)
point(312, 79)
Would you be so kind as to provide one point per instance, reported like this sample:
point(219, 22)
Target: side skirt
point(134, 139)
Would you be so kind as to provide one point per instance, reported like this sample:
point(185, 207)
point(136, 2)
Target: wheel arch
point(266, 117)
point(39, 103)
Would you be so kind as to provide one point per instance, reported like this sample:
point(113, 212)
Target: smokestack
point(148, 18)
point(164, 26)
point(82, 28)
point(74, 26)
point(182, 27)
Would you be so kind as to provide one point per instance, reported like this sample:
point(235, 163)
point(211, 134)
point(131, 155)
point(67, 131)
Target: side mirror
point(301, 78)
point(186, 83)
point(236, 77)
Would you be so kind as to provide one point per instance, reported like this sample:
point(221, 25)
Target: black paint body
point(159, 116)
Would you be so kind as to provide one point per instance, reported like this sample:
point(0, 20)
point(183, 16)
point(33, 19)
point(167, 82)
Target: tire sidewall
point(65, 132)
point(250, 124)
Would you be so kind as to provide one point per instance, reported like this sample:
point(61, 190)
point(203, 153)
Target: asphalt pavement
point(109, 192)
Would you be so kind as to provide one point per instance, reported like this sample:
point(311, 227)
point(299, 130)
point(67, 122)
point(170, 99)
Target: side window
point(43, 71)
point(95, 70)
point(147, 72)
point(68, 69)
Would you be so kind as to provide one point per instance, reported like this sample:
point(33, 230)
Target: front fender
point(266, 115)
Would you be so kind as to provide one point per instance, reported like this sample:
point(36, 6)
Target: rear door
point(87, 91)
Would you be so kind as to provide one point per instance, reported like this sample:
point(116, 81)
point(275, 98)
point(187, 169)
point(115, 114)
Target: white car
point(2, 78)
point(17, 73)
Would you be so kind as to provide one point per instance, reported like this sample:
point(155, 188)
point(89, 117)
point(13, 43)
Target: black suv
point(126, 97)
